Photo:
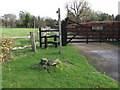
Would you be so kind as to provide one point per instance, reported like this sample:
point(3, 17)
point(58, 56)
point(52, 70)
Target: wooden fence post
point(60, 32)
point(40, 39)
point(33, 41)
point(100, 36)
point(113, 34)
point(55, 39)
point(87, 35)
point(118, 35)
point(46, 43)
point(64, 33)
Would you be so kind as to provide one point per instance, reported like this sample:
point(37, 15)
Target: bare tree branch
point(77, 10)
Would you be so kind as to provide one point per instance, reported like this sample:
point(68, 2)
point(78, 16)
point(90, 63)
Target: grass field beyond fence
point(16, 32)
point(22, 72)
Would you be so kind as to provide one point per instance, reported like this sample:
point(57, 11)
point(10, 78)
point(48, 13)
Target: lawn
point(22, 72)
point(18, 32)
point(14, 32)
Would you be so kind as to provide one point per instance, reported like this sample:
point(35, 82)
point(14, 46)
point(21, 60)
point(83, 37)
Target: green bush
point(6, 47)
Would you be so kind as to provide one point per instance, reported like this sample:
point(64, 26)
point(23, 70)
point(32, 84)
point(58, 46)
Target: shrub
point(6, 47)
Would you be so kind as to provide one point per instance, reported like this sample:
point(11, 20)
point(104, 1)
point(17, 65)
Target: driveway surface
point(102, 56)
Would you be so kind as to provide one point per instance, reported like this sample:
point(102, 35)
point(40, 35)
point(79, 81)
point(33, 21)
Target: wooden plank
point(89, 41)
point(83, 38)
point(21, 37)
point(49, 36)
point(49, 30)
point(71, 39)
point(51, 42)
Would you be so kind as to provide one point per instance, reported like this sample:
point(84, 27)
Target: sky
point(48, 8)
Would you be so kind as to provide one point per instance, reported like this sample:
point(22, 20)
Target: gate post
point(46, 42)
point(40, 38)
point(64, 33)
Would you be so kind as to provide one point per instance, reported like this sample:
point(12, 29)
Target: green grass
point(21, 42)
point(17, 32)
point(115, 43)
point(14, 32)
point(22, 72)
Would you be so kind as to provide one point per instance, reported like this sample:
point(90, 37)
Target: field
point(22, 72)
point(18, 32)
point(14, 32)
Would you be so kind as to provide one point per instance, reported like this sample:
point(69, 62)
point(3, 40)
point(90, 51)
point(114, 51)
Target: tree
point(21, 14)
point(25, 19)
point(33, 21)
point(111, 17)
point(20, 23)
point(104, 17)
point(50, 22)
point(5, 20)
point(78, 10)
point(100, 16)
point(9, 20)
point(117, 18)
point(40, 22)
point(12, 20)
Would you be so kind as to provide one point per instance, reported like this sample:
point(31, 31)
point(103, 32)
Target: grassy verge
point(18, 32)
point(115, 43)
point(21, 72)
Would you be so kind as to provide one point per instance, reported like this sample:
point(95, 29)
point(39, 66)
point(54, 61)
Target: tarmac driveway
point(102, 56)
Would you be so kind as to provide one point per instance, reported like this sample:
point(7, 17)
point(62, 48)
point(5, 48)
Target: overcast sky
point(49, 7)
